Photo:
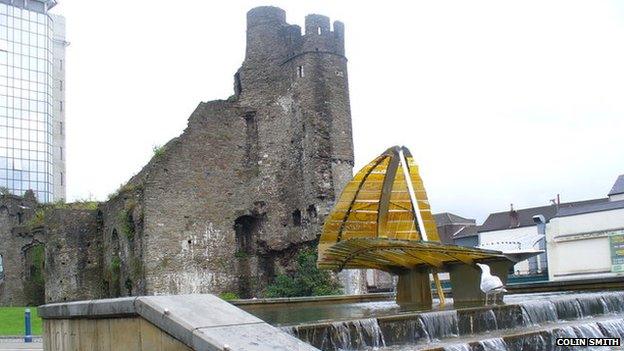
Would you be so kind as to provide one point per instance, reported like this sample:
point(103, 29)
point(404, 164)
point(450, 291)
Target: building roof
point(447, 218)
point(618, 187)
point(524, 217)
point(469, 230)
point(591, 207)
point(41, 6)
point(49, 3)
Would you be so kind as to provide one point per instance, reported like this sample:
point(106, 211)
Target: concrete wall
point(578, 245)
point(59, 106)
point(131, 334)
point(184, 322)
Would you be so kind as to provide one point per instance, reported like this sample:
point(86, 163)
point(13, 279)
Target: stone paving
point(20, 345)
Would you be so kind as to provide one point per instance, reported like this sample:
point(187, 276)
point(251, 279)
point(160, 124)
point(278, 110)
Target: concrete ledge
point(317, 299)
point(121, 307)
point(199, 321)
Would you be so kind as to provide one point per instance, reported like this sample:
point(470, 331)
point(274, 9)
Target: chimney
point(514, 220)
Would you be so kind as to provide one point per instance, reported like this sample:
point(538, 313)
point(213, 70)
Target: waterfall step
point(533, 338)
point(531, 318)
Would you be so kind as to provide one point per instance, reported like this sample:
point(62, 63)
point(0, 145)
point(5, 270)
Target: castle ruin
point(227, 205)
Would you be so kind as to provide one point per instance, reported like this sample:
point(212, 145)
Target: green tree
point(307, 280)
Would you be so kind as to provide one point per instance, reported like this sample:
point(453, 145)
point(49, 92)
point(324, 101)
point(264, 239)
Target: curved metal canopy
point(383, 220)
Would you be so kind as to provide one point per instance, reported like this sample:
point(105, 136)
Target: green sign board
point(617, 251)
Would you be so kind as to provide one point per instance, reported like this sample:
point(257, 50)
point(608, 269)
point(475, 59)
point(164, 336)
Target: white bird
point(490, 284)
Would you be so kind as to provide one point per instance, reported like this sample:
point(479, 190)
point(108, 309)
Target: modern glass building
point(32, 99)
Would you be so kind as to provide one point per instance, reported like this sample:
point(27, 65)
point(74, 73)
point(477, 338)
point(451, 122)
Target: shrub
point(158, 150)
point(307, 280)
point(228, 296)
point(126, 219)
point(38, 219)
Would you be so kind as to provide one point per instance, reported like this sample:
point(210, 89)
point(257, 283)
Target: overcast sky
point(500, 102)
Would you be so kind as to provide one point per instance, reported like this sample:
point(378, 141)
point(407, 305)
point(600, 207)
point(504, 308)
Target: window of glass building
point(25, 102)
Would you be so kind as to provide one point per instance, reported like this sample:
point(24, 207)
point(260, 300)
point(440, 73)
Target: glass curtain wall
point(25, 102)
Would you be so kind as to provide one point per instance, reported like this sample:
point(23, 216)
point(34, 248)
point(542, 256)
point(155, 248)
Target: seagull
point(490, 284)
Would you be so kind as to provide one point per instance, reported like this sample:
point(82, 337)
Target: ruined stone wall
point(247, 185)
point(15, 246)
point(193, 194)
point(121, 234)
point(229, 203)
point(72, 255)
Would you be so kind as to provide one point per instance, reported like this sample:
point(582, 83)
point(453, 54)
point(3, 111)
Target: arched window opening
point(34, 282)
point(246, 228)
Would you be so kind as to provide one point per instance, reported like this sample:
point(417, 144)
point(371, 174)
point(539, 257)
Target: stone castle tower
point(227, 205)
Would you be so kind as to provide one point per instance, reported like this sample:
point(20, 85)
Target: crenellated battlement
point(319, 36)
point(270, 38)
point(263, 15)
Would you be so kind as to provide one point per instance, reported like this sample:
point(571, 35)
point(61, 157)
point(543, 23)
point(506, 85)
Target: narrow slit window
point(319, 30)
point(300, 72)
point(1, 268)
point(296, 216)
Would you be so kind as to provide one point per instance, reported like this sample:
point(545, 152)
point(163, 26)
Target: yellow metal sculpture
point(382, 220)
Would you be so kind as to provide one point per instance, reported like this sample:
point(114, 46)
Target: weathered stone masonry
point(231, 200)
point(225, 206)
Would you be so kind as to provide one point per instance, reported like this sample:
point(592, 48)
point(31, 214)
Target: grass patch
point(12, 321)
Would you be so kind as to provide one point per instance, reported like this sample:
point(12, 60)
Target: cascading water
point(342, 335)
point(490, 320)
point(528, 325)
point(591, 304)
point(568, 308)
point(494, 344)
point(538, 311)
point(613, 328)
point(458, 347)
point(440, 324)
point(590, 330)
point(370, 328)
point(613, 302)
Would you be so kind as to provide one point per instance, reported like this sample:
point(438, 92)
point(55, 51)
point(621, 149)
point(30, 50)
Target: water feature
point(494, 344)
point(440, 324)
point(613, 328)
point(526, 322)
point(341, 335)
point(539, 311)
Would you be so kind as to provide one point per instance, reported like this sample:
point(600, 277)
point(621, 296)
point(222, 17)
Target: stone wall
point(228, 204)
point(17, 248)
point(73, 259)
